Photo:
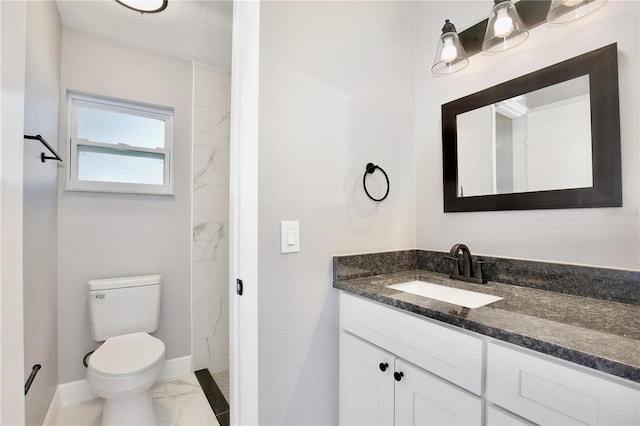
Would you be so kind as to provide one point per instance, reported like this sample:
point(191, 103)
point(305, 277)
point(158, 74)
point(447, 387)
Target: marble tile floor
point(177, 402)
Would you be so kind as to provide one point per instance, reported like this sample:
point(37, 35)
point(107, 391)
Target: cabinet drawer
point(549, 392)
point(453, 355)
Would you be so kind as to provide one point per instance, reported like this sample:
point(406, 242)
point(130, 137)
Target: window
point(119, 146)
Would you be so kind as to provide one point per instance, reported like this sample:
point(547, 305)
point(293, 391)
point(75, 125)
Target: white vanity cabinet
point(391, 377)
point(448, 375)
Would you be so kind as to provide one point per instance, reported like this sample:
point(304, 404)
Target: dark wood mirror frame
point(601, 66)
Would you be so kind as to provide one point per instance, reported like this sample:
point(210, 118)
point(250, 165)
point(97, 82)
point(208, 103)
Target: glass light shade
point(145, 6)
point(563, 11)
point(505, 28)
point(450, 55)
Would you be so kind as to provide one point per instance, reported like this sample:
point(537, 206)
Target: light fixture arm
point(448, 27)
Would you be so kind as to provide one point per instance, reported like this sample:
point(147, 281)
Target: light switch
point(289, 236)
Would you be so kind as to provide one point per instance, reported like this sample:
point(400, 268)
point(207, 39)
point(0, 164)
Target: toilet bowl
point(122, 372)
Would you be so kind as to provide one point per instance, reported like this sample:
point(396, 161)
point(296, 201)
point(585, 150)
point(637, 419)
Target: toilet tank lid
point(124, 282)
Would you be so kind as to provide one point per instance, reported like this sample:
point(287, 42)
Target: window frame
point(75, 99)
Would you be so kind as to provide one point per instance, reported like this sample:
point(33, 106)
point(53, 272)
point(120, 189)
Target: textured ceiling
point(189, 29)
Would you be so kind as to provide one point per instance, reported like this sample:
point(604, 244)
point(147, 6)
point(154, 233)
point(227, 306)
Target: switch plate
point(289, 236)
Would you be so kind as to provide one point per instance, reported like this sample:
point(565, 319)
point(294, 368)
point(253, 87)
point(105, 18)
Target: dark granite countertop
point(600, 334)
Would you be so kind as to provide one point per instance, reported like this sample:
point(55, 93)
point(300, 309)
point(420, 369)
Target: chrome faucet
point(469, 272)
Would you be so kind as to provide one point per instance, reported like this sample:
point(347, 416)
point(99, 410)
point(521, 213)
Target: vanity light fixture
point(563, 11)
point(450, 55)
point(145, 6)
point(505, 28)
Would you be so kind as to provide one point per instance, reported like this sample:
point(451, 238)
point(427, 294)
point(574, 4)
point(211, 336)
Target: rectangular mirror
point(549, 139)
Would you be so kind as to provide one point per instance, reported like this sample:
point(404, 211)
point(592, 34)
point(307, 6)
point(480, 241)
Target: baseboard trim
point(54, 408)
point(176, 367)
point(75, 392)
point(79, 391)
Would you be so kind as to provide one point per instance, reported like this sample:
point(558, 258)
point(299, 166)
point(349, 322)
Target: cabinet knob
point(398, 375)
point(383, 366)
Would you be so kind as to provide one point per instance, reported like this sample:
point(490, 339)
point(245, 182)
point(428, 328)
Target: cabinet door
point(499, 417)
point(423, 399)
point(366, 391)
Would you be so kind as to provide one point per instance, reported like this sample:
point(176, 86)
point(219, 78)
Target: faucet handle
point(477, 268)
point(456, 267)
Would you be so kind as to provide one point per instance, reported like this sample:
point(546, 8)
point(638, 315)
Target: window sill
point(134, 191)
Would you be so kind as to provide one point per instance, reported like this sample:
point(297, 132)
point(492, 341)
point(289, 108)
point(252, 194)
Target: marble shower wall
point(210, 297)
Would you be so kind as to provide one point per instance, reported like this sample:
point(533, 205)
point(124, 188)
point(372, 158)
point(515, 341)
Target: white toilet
point(122, 311)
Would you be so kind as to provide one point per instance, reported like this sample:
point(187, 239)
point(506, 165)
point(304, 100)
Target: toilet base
point(134, 411)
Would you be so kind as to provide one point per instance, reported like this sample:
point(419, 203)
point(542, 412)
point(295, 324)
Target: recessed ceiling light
point(145, 6)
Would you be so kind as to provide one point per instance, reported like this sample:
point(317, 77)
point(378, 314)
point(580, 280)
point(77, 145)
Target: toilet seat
point(126, 355)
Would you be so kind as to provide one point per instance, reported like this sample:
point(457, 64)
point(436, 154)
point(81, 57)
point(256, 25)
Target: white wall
point(607, 237)
point(336, 92)
point(105, 235)
point(212, 93)
point(13, 23)
point(40, 195)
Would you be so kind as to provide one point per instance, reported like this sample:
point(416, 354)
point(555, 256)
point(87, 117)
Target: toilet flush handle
point(97, 296)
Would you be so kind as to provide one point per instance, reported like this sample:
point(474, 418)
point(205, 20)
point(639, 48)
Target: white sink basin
point(455, 296)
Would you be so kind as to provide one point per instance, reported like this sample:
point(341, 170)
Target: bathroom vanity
point(530, 357)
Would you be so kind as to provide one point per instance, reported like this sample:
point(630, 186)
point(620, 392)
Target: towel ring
point(369, 170)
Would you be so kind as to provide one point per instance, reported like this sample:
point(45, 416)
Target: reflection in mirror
point(537, 141)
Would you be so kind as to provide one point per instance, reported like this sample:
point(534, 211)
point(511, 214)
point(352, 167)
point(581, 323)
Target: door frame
point(13, 18)
point(243, 214)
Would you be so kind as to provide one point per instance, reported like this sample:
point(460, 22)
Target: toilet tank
point(124, 305)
